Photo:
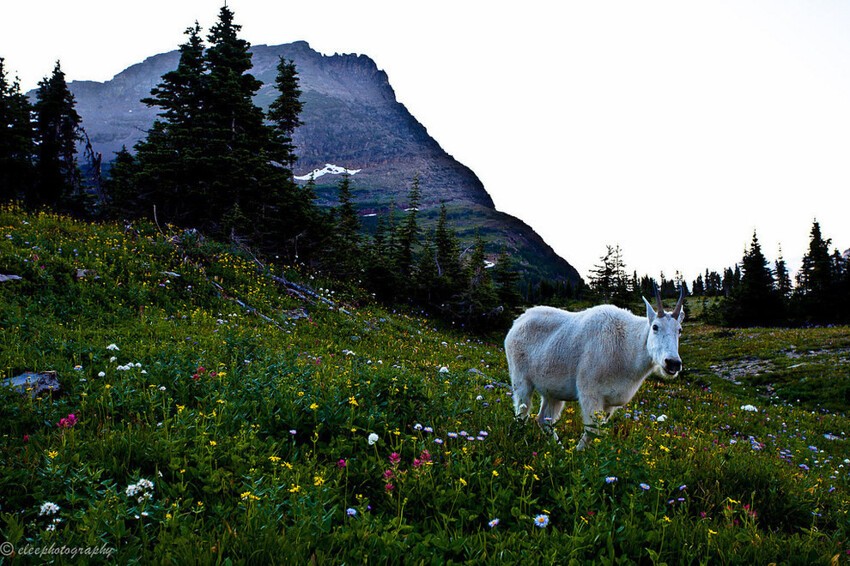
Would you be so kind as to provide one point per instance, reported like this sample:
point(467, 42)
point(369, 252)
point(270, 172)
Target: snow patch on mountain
point(328, 169)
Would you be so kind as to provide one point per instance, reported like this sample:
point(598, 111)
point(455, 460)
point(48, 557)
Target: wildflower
point(452, 435)
point(683, 487)
point(245, 495)
point(495, 474)
point(541, 521)
point(295, 488)
point(438, 441)
point(493, 522)
point(804, 467)
point(48, 508)
point(372, 439)
point(750, 408)
point(318, 481)
point(417, 426)
point(444, 369)
point(78, 367)
point(462, 482)
point(351, 512)
point(644, 486)
point(610, 479)
point(388, 474)
point(353, 402)
point(112, 347)
point(213, 443)
point(428, 429)
point(313, 406)
point(293, 432)
point(661, 418)
point(274, 459)
point(395, 458)
point(67, 422)
point(342, 463)
point(389, 487)
point(52, 454)
point(101, 374)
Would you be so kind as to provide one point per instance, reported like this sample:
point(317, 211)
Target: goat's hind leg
point(550, 412)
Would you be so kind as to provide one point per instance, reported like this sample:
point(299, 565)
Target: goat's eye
point(655, 328)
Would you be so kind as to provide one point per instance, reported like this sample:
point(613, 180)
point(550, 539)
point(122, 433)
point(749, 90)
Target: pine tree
point(754, 300)
point(343, 255)
point(408, 236)
point(783, 278)
point(285, 111)
point(170, 173)
point(16, 139)
point(57, 129)
point(450, 279)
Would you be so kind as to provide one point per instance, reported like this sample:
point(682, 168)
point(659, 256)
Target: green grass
point(254, 429)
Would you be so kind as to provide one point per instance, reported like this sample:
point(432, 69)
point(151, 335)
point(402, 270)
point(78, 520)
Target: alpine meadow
point(204, 360)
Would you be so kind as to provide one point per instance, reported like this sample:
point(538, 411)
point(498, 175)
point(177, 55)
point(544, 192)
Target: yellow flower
point(168, 516)
point(313, 406)
point(107, 386)
point(274, 459)
point(462, 482)
point(245, 495)
point(213, 443)
point(353, 401)
point(495, 474)
point(710, 532)
point(294, 488)
point(318, 480)
point(180, 408)
point(52, 454)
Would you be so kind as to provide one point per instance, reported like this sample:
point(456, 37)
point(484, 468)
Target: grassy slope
point(257, 456)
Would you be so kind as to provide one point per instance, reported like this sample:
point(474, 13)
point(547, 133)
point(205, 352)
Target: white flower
point(112, 347)
point(751, 408)
point(102, 374)
point(373, 438)
point(48, 508)
point(444, 369)
point(661, 418)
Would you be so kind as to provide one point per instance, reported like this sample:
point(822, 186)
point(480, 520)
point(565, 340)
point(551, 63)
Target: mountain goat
point(598, 357)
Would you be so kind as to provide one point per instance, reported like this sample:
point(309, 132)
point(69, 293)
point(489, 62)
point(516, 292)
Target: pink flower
point(67, 422)
point(26, 438)
point(342, 463)
point(389, 487)
point(388, 474)
point(395, 458)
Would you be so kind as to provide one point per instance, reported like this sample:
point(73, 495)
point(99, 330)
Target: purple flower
point(541, 521)
point(644, 486)
point(493, 522)
point(610, 479)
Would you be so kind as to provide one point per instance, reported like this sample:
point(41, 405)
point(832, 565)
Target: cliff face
point(351, 119)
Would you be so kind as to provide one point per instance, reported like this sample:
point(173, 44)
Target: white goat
point(599, 357)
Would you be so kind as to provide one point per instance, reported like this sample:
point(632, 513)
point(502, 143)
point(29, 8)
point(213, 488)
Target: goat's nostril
point(673, 366)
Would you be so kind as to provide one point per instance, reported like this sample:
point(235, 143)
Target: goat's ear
point(682, 315)
point(650, 311)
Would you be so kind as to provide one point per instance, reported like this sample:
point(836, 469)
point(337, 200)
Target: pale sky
point(673, 129)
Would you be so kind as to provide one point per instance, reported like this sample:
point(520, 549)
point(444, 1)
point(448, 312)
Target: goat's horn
point(681, 302)
point(660, 309)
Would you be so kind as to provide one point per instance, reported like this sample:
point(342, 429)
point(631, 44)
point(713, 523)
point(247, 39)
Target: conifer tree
point(170, 173)
point(447, 258)
point(343, 251)
point(285, 112)
point(57, 129)
point(754, 300)
point(408, 236)
point(16, 139)
point(783, 278)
